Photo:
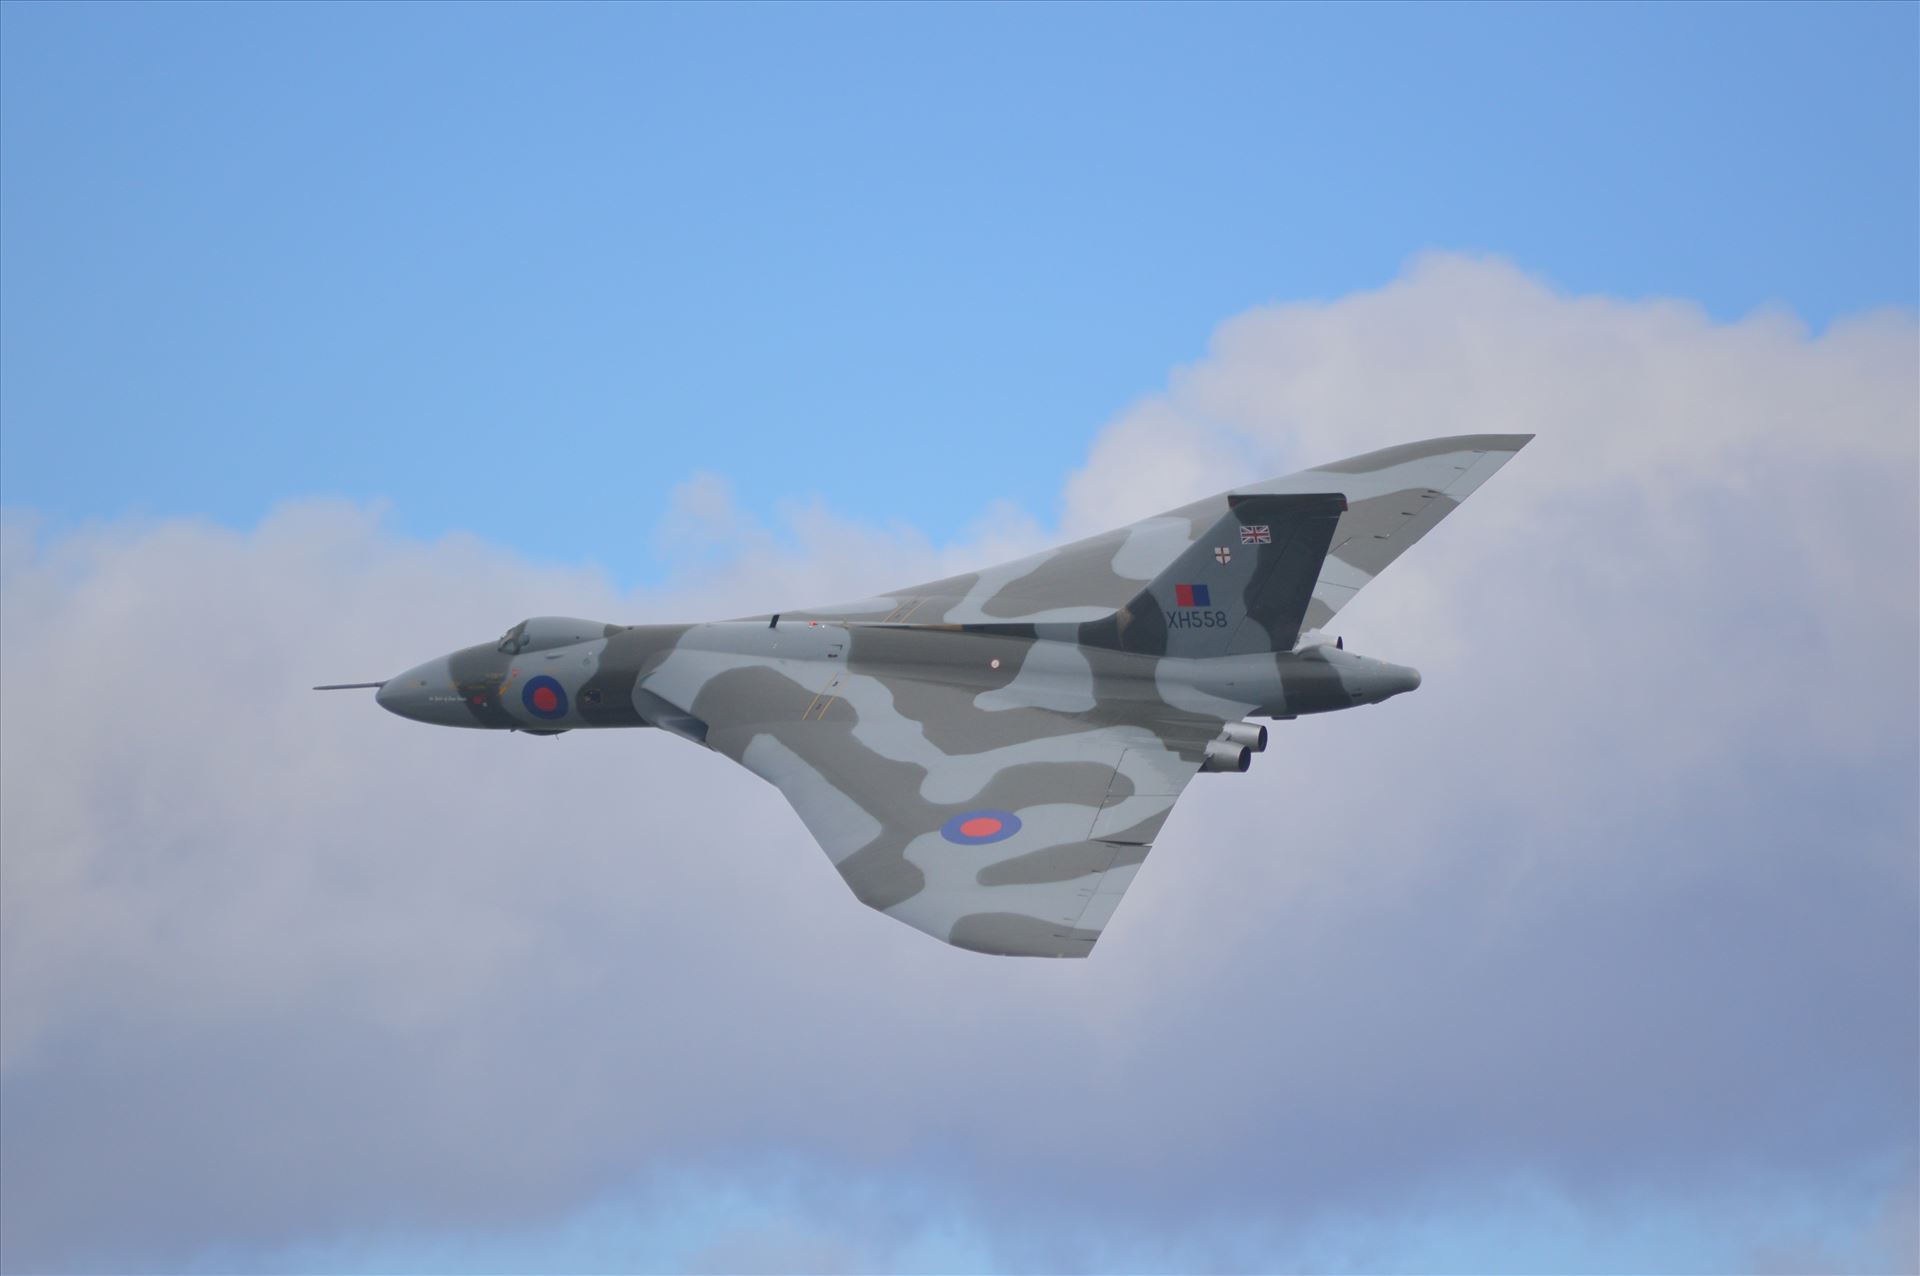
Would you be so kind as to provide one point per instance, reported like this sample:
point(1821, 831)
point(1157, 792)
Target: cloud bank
point(1598, 952)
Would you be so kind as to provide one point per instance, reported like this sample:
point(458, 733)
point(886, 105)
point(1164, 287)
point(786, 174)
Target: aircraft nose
point(392, 697)
point(424, 693)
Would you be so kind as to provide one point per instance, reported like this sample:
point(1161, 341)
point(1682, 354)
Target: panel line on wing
point(832, 693)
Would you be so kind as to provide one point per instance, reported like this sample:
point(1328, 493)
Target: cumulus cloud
point(1621, 903)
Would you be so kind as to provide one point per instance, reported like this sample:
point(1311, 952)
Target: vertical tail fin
point(1244, 586)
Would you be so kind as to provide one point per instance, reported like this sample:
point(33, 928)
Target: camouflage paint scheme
point(989, 757)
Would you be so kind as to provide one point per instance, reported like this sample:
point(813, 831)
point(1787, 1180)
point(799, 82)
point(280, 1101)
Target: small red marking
point(980, 826)
point(545, 700)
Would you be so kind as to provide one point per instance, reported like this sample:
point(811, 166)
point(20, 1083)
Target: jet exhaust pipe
point(1224, 756)
point(1249, 734)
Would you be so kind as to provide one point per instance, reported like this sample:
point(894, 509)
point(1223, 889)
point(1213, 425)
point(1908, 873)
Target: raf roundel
point(544, 698)
point(977, 828)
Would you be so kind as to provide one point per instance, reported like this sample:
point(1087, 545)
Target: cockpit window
point(544, 633)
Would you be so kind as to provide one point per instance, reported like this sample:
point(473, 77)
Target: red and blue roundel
point(544, 698)
point(977, 828)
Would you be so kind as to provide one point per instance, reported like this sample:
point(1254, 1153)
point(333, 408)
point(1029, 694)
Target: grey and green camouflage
point(990, 757)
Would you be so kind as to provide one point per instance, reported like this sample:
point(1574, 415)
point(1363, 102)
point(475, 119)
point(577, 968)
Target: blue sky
point(520, 271)
point(333, 337)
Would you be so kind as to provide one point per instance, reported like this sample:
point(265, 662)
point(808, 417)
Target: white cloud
point(1622, 898)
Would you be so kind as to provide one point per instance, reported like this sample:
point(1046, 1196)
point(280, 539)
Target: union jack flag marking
point(1256, 534)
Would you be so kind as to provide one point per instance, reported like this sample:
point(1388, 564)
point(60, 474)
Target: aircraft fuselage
point(612, 680)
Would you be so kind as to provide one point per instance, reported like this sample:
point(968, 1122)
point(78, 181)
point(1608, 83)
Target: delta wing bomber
point(989, 757)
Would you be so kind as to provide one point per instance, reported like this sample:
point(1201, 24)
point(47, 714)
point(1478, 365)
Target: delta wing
point(997, 793)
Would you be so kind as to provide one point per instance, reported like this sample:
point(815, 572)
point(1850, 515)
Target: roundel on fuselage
point(544, 697)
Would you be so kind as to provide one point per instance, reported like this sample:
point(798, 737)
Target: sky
point(470, 260)
point(335, 337)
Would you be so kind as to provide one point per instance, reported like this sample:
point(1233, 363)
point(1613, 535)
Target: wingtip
point(1505, 442)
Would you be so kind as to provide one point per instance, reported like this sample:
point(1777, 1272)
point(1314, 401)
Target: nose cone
point(393, 696)
point(426, 693)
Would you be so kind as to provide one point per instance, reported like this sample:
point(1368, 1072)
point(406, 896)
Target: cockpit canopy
point(543, 632)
